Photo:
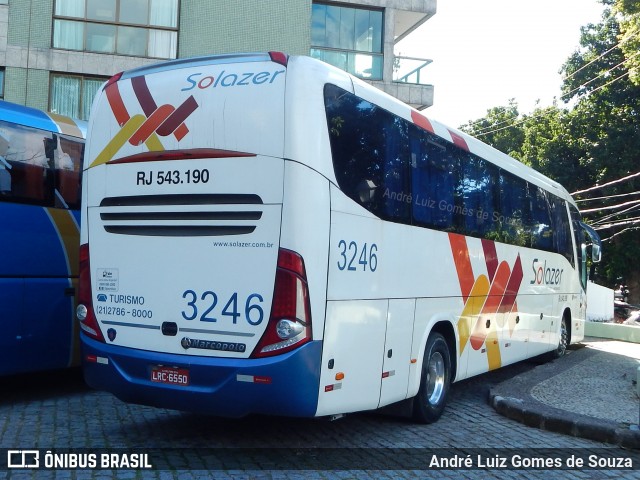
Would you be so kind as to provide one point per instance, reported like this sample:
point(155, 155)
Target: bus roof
point(51, 122)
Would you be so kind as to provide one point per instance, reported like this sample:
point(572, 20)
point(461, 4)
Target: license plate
point(170, 375)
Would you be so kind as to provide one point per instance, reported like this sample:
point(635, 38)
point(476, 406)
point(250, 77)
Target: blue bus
point(40, 173)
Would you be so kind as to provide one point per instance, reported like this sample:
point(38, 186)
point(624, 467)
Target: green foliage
point(595, 139)
point(629, 14)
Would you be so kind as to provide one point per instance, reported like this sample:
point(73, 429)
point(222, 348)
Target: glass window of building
point(143, 28)
point(349, 38)
point(72, 95)
point(1, 83)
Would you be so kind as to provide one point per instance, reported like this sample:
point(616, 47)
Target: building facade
point(54, 54)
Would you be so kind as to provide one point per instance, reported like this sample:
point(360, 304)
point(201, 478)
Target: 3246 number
point(205, 305)
point(357, 257)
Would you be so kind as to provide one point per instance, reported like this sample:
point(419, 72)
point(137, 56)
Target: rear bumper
point(287, 384)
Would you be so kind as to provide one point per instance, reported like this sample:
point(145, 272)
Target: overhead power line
point(613, 182)
point(619, 233)
point(608, 217)
point(611, 207)
point(629, 221)
point(607, 197)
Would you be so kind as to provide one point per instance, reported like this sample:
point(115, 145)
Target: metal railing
point(410, 70)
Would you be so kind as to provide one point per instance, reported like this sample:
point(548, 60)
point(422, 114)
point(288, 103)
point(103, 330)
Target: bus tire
point(435, 380)
point(563, 342)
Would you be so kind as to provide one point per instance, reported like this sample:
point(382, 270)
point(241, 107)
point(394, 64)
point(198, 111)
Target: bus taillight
point(290, 321)
point(84, 311)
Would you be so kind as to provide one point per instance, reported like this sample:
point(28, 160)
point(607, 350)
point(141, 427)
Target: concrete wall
point(219, 26)
point(599, 303)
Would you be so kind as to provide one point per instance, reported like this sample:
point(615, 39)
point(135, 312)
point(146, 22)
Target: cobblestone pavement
point(56, 410)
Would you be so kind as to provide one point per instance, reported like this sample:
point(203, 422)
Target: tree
point(629, 12)
point(595, 141)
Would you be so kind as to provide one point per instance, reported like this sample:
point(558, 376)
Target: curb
point(513, 400)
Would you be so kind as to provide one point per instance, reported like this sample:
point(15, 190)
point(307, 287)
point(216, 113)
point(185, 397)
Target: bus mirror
point(596, 243)
point(366, 191)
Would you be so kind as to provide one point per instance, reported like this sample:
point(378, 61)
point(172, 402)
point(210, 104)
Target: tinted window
point(434, 176)
point(370, 151)
point(562, 229)
point(541, 227)
point(512, 217)
point(402, 173)
point(38, 167)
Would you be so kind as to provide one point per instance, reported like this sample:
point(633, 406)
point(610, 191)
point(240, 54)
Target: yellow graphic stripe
point(69, 235)
point(66, 125)
point(472, 309)
point(118, 141)
point(493, 347)
point(153, 143)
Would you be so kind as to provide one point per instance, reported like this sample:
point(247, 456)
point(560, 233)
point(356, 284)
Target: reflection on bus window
point(38, 167)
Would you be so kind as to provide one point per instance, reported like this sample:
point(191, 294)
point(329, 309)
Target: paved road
point(56, 410)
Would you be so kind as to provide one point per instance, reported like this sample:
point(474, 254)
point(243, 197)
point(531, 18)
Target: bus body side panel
point(307, 135)
point(36, 270)
point(305, 230)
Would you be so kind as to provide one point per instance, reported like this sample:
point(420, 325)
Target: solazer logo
point(543, 275)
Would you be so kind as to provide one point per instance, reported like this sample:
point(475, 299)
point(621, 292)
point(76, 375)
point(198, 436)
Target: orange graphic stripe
point(181, 132)
point(497, 289)
point(513, 287)
point(463, 263)
point(116, 103)
point(151, 124)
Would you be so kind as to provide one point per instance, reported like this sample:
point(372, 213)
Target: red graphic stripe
point(150, 124)
point(490, 257)
point(421, 121)
point(491, 305)
point(459, 141)
point(141, 90)
point(117, 105)
point(497, 289)
point(509, 299)
point(177, 117)
point(463, 264)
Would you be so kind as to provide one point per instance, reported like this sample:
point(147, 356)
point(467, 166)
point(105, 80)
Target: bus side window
point(27, 176)
point(68, 168)
point(541, 230)
point(433, 182)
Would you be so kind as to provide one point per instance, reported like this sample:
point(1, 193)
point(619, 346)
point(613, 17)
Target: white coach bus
point(268, 234)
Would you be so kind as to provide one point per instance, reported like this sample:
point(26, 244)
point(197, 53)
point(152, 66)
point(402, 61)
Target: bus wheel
point(563, 343)
point(435, 380)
